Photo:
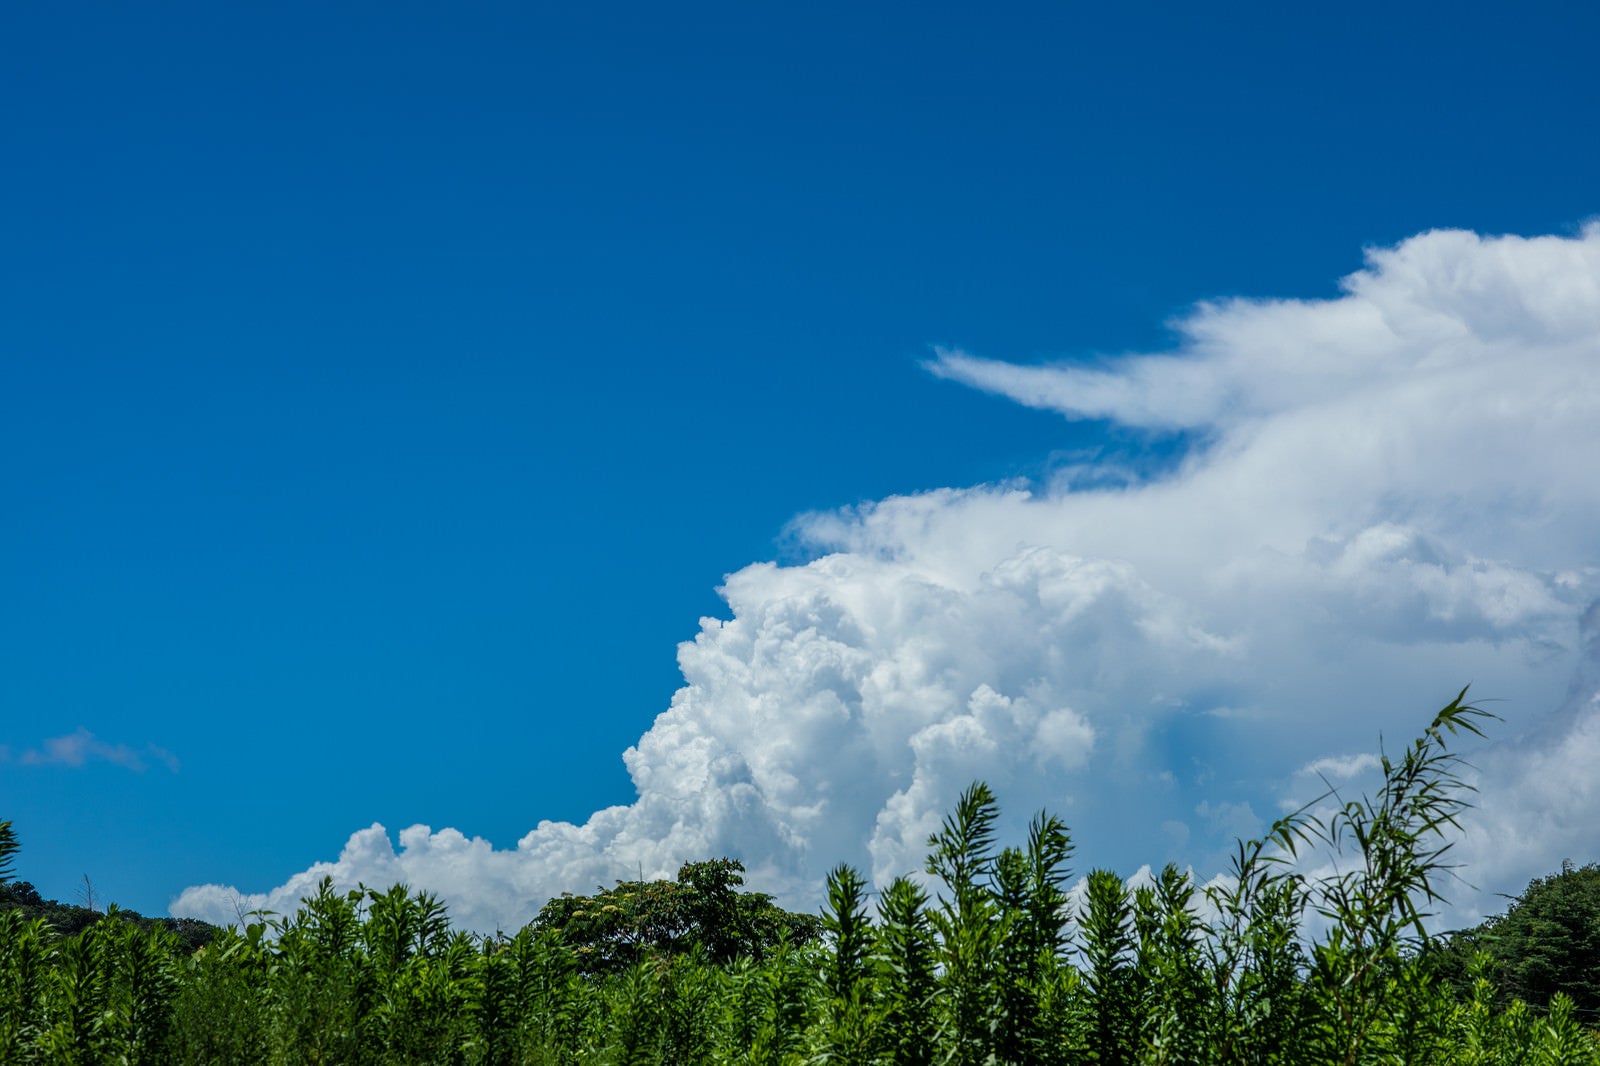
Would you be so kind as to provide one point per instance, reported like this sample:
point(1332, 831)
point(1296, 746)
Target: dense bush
point(993, 968)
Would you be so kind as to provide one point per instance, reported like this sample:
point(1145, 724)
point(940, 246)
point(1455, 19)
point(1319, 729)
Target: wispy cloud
point(81, 747)
point(1396, 495)
point(1340, 767)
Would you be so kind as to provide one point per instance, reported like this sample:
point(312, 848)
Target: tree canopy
point(1547, 941)
point(703, 909)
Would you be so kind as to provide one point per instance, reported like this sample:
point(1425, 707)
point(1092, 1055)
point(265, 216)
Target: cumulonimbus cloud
point(1396, 495)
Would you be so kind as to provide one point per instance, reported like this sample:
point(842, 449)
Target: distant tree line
point(69, 919)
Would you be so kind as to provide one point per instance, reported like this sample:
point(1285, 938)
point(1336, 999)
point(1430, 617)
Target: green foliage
point(618, 927)
point(968, 926)
point(1169, 958)
point(1254, 953)
point(1029, 888)
point(1111, 981)
point(67, 919)
point(905, 962)
point(221, 1012)
point(997, 969)
point(26, 967)
point(767, 1009)
point(8, 850)
point(1376, 907)
point(1546, 944)
point(848, 1027)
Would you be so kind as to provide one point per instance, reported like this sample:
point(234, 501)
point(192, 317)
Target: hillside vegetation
point(1546, 944)
point(992, 966)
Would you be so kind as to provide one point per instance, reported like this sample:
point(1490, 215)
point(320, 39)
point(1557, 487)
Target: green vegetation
point(994, 968)
point(1546, 944)
point(66, 919)
point(702, 911)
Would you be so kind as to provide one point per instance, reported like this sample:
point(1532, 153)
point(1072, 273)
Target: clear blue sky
point(385, 389)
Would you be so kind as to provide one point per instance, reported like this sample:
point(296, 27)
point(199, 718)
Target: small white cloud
point(1340, 767)
point(81, 747)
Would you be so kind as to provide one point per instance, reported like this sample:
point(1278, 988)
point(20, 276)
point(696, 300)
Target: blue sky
point(385, 392)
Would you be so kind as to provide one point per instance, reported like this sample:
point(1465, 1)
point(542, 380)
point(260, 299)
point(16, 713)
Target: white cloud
point(81, 747)
point(1396, 496)
point(1340, 767)
point(1537, 795)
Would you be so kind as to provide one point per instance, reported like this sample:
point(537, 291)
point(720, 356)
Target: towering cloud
point(1383, 496)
